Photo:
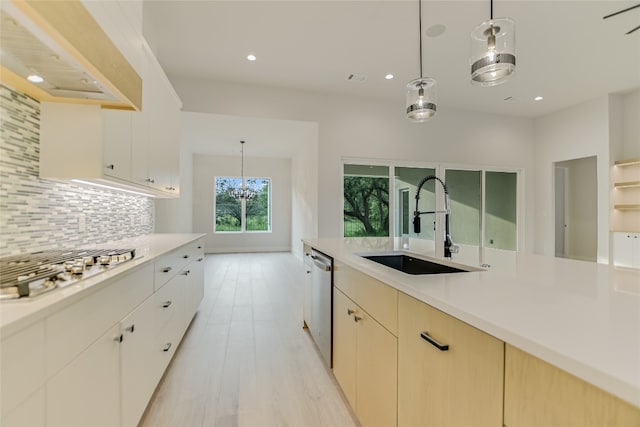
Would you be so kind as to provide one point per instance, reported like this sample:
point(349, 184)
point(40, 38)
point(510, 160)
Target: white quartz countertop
point(582, 317)
point(17, 314)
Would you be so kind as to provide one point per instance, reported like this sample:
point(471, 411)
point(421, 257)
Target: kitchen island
point(580, 317)
point(92, 352)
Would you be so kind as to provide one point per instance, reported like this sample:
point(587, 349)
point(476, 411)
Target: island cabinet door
point(539, 394)
point(344, 345)
point(377, 375)
point(449, 373)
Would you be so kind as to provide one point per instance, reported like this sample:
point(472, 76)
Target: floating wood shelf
point(627, 207)
point(628, 184)
point(627, 162)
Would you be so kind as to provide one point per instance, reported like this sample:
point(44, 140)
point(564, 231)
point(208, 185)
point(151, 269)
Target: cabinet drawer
point(375, 297)
point(21, 365)
point(168, 303)
point(75, 327)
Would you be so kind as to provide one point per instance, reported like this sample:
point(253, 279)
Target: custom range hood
point(60, 43)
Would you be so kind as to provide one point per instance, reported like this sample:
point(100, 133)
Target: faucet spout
point(448, 243)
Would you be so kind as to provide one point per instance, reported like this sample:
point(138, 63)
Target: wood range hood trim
point(70, 25)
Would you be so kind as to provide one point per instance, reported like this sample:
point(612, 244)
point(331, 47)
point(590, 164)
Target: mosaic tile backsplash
point(37, 214)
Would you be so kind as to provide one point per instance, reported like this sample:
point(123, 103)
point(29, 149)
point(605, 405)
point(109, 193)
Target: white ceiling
point(565, 51)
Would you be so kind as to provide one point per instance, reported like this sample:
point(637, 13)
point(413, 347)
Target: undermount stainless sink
point(411, 265)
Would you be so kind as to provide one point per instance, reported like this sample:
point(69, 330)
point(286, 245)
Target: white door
point(560, 211)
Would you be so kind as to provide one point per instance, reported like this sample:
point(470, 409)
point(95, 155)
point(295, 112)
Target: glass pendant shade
point(493, 52)
point(421, 99)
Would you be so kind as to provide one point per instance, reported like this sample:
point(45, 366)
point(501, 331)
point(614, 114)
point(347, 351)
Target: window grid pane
point(238, 215)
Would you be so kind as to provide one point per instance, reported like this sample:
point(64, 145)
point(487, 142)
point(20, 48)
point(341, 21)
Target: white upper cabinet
point(129, 150)
point(117, 134)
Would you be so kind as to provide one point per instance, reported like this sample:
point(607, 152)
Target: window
point(366, 201)
point(239, 214)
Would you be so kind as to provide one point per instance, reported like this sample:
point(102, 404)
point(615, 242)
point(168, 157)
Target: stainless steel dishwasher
point(321, 307)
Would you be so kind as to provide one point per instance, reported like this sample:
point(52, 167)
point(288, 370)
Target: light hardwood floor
point(245, 360)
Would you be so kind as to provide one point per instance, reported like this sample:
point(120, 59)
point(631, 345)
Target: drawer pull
point(200, 259)
point(185, 256)
point(186, 272)
point(167, 269)
point(131, 328)
point(167, 347)
point(166, 304)
point(442, 347)
point(150, 180)
point(111, 166)
point(349, 311)
point(357, 318)
point(200, 247)
point(118, 338)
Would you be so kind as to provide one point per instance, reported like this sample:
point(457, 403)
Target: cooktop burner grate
point(28, 275)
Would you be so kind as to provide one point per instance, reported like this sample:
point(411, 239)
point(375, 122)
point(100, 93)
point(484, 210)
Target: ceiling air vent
point(356, 78)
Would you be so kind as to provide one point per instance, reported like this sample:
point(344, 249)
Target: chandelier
point(242, 192)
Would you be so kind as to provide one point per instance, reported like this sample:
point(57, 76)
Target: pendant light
point(493, 58)
point(421, 92)
point(243, 192)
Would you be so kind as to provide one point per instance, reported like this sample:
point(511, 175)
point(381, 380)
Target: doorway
point(576, 209)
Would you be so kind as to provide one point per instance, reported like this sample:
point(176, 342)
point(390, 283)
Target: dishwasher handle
point(321, 262)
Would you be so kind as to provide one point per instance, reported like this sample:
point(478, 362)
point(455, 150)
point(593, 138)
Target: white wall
point(631, 125)
point(205, 170)
point(351, 127)
point(576, 132)
point(304, 194)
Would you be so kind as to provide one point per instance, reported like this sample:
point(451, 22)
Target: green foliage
point(366, 206)
point(228, 215)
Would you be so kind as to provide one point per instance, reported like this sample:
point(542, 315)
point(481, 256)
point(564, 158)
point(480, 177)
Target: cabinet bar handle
point(187, 272)
point(111, 166)
point(150, 180)
point(200, 259)
point(350, 312)
point(166, 304)
point(356, 318)
point(131, 328)
point(442, 347)
point(167, 347)
point(118, 338)
point(167, 269)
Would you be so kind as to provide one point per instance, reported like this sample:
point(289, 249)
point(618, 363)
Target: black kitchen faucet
point(449, 247)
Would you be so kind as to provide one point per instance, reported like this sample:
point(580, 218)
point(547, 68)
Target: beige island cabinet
point(514, 347)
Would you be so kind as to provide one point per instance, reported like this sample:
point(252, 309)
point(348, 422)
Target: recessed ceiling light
point(538, 98)
point(251, 57)
point(34, 78)
point(388, 76)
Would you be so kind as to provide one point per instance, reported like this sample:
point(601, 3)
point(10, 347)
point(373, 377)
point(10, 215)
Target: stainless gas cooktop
point(28, 275)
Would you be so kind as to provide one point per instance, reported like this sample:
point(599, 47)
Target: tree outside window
point(251, 214)
point(366, 201)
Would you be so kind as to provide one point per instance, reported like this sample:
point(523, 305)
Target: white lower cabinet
point(29, 413)
point(136, 371)
point(626, 250)
point(87, 391)
point(97, 361)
